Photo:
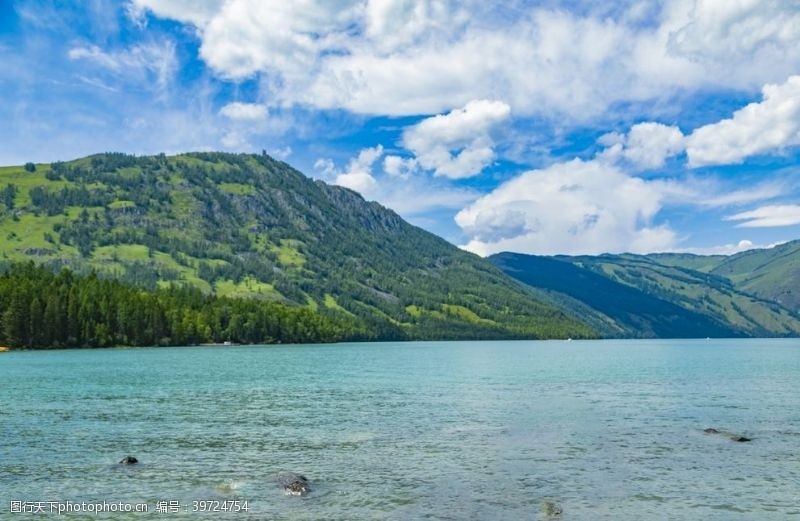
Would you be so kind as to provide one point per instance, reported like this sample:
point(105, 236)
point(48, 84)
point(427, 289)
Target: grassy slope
point(772, 274)
point(249, 226)
point(647, 298)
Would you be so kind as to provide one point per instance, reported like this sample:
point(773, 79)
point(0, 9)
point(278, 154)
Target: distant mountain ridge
point(753, 293)
point(243, 225)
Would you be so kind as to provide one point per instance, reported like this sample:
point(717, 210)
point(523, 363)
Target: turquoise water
point(448, 430)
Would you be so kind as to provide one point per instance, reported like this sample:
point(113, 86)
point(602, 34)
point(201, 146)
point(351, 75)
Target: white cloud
point(768, 125)
point(404, 193)
point(768, 216)
point(572, 207)
point(368, 55)
point(280, 153)
point(724, 31)
point(725, 249)
point(458, 144)
point(197, 12)
point(234, 140)
point(649, 144)
point(358, 174)
point(753, 193)
point(598, 206)
point(94, 53)
point(288, 38)
point(155, 63)
point(326, 167)
point(397, 166)
point(646, 145)
point(244, 111)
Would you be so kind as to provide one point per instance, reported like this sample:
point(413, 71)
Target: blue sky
point(541, 127)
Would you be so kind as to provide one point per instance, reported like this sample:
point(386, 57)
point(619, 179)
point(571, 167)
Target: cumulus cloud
point(571, 207)
point(244, 111)
point(406, 194)
point(723, 31)
point(397, 166)
point(649, 144)
point(768, 125)
point(768, 216)
point(646, 146)
point(599, 205)
point(325, 166)
point(457, 144)
point(367, 55)
point(358, 174)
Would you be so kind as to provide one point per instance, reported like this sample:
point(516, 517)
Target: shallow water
point(440, 430)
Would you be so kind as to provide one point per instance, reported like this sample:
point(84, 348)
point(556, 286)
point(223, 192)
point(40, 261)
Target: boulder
point(128, 460)
point(551, 510)
point(293, 484)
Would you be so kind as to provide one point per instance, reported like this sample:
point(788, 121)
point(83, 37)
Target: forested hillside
point(247, 226)
point(661, 295)
point(40, 309)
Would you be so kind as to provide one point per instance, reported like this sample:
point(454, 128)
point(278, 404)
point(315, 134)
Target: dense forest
point(42, 309)
point(246, 226)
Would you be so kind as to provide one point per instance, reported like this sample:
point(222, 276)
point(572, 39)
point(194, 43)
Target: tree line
point(41, 309)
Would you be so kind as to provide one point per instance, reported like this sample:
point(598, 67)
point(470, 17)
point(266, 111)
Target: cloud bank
point(366, 56)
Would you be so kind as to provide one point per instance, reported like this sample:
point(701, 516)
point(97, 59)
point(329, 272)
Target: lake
point(436, 430)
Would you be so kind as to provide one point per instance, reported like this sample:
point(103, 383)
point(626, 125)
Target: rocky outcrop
point(293, 484)
point(128, 460)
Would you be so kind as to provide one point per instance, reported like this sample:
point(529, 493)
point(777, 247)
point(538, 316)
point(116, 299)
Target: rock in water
point(128, 460)
point(551, 510)
point(293, 484)
point(729, 435)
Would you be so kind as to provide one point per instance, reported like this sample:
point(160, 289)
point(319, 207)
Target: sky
point(548, 127)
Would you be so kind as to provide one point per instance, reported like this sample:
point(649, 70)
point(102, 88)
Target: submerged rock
point(128, 460)
point(293, 484)
point(551, 510)
point(729, 435)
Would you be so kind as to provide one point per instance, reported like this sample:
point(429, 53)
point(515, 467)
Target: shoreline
point(415, 341)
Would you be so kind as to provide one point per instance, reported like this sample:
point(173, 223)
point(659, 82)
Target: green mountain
point(665, 295)
point(247, 226)
point(772, 274)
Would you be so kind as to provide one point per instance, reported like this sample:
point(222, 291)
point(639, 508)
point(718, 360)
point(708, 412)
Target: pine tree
point(14, 323)
point(36, 324)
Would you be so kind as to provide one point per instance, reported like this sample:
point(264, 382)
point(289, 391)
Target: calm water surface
point(444, 430)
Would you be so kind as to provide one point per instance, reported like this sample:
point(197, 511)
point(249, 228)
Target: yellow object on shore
point(4, 349)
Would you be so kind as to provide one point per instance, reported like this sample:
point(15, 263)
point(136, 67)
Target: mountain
point(662, 295)
point(770, 273)
point(236, 225)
